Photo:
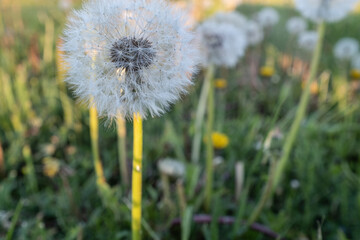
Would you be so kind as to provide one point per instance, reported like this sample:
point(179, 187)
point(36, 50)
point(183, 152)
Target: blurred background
point(48, 185)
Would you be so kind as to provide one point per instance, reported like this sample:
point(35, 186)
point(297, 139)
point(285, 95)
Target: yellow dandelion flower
point(220, 140)
point(314, 88)
point(267, 71)
point(220, 83)
point(51, 167)
point(355, 74)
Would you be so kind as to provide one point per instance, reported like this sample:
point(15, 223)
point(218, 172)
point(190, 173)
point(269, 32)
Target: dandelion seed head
point(325, 10)
point(171, 167)
point(308, 40)
point(294, 183)
point(222, 44)
point(234, 18)
point(267, 17)
point(296, 25)
point(132, 54)
point(254, 33)
point(346, 48)
point(128, 57)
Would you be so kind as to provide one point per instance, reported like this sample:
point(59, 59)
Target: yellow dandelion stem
point(121, 132)
point(137, 178)
point(209, 146)
point(94, 135)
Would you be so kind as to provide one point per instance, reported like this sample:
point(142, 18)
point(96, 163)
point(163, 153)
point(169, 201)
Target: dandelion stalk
point(21, 91)
point(278, 167)
point(121, 133)
point(14, 220)
point(48, 41)
point(181, 195)
point(2, 161)
point(64, 99)
point(209, 145)
point(300, 114)
point(137, 178)
point(1, 26)
point(30, 169)
point(94, 135)
point(200, 112)
point(12, 107)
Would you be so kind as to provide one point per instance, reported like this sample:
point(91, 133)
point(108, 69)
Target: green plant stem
point(48, 40)
point(14, 220)
point(300, 114)
point(22, 92)
point(166, 188)
point(1, 25)
point(64, 99)
point(121, 133)
point(181, 195)
point(220, 109)
point(94, 135)
point(278, 167)
point(30, 169)
point(186, 223)
point(209, 146)
point(11, 106)
point(2, 161)
point(200, 112)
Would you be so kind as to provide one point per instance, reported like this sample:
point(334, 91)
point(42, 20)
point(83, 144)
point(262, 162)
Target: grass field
point(48, 186)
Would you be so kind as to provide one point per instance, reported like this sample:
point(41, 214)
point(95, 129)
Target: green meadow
point(48, 185)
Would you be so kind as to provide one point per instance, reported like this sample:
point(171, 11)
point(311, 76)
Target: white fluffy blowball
point(325, 10)
point(252, 30)
point(235, 18)
point(346, 48)
point(308, 40)
point(222, 44)
point(127, 57)
point(254, 33)
point(268, 17)
point(296, 25)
